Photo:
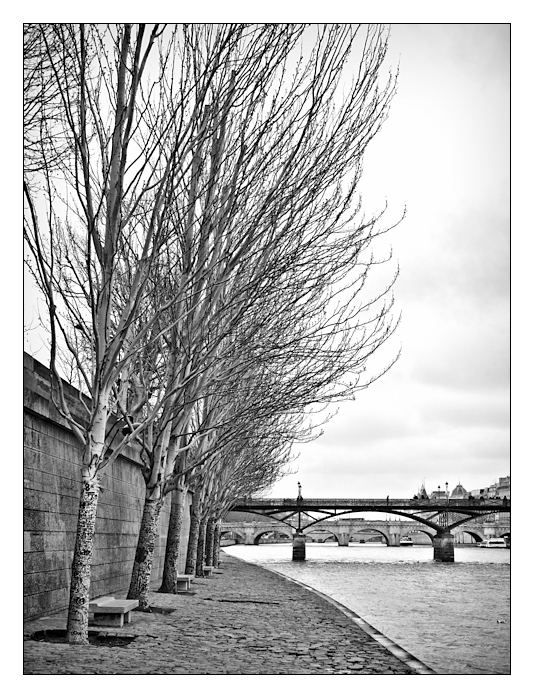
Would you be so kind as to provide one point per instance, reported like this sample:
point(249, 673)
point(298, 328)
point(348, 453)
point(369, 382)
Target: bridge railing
point(404, 503)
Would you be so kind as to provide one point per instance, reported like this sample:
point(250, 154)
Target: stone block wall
point(52, 483)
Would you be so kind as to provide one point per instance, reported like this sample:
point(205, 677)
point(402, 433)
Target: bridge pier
point(299, 546)
point(443, 543)
point(343, 539)
point(394, 540)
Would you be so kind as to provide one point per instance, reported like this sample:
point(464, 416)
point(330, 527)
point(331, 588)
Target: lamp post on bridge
point(299, 504)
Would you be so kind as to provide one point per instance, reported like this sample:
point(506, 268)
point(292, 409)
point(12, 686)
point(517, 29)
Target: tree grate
point(96, 637)
point(268, 603)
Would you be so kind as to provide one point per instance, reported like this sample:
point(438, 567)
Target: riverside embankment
point(243, 620)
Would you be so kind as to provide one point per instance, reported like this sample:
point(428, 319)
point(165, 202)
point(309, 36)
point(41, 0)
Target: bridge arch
point(474, 537)
point(389, 532)
point(415, 531)
point(238, 536)
point(356, 531)
point(282, 535)
point(310, 531)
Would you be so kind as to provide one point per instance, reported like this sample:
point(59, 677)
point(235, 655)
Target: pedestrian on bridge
point(387, 500)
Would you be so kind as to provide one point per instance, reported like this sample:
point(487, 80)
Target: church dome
point(459, 492)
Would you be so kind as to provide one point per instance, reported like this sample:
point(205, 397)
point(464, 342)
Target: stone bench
point(183, 581)
point(111, 611)
point(208, 571)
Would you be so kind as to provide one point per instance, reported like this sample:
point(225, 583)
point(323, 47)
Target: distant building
point(439, 494)
point(503, 486)
point(497, 489)
point(422, 492)
point(459, 492)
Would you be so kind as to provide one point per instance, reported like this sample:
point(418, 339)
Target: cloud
point(442, 412)
point(476, 457)
point(458, 355)
point(460, 258)
point(457, 410)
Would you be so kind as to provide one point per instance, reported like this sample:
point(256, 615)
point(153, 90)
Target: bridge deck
point(442, 504)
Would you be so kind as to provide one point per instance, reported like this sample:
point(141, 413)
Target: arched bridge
point(345, 530)
point(440, 515)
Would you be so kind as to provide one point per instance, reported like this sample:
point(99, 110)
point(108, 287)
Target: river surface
point(454, 617)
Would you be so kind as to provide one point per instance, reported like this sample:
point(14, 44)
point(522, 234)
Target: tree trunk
point(192, 544)
point(78, 617)
point(210, 539)
point(201, 548)
point(144, 555)
point(172, 549)
point(217, 544)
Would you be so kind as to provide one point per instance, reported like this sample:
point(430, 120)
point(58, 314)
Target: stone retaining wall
point(52, 482)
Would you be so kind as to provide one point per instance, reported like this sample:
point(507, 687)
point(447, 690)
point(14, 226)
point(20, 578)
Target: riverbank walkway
point(242, 620)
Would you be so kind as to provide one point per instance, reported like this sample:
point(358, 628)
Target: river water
point(454, 617)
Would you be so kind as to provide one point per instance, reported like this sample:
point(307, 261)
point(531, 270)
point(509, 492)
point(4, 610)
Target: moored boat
point(493, 543)
point(406, 540)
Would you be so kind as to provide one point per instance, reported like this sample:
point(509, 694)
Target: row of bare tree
point(193, 227)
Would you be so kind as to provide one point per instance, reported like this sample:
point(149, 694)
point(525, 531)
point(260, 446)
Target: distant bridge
point(345, 530)
point(437, 517)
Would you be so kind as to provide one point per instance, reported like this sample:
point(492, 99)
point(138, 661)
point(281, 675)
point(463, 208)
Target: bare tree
point(203, 224)
point(262, 229)
point(48, 63)
point(131, 109)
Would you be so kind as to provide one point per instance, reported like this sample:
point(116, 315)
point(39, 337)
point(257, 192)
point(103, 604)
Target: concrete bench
point(110, 611)
point(208, 571)
point(183, 581)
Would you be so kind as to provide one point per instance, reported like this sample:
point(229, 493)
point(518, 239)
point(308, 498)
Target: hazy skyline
point(442, 412)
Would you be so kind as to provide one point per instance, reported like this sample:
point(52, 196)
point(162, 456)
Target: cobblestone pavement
point(243, 620)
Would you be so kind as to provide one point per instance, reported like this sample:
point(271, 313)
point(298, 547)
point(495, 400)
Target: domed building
point(459, 492)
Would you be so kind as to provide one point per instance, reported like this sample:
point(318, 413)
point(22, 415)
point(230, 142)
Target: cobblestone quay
point(243, 620)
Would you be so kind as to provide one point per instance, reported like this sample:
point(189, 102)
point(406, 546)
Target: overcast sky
point(442, 413)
